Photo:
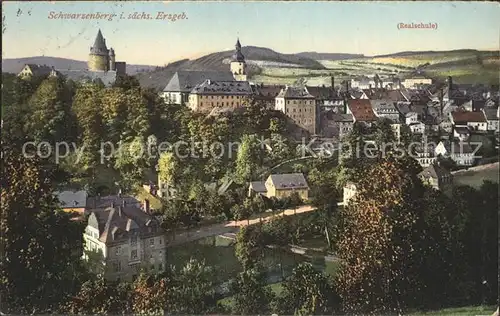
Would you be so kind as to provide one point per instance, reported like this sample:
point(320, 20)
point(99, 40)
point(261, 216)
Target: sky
point(368, 28)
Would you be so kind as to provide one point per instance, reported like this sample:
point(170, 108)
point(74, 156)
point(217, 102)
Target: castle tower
point(112, 59)
point(238, 64)
point(99, 55)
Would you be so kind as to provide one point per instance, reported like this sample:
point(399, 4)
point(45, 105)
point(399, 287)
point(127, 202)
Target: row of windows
point(300, 110)
point(221, 104)
point(295, 101)
point(222, 97)
point(305, 121)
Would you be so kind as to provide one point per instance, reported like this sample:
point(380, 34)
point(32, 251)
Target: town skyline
point(212, 27)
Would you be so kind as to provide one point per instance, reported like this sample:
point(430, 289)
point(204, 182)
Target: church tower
point(238, 65)
point(99, 55)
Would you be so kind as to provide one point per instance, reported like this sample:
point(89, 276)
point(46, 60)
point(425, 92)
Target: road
point(179, 238)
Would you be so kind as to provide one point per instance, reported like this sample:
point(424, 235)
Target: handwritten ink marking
point(421, 26)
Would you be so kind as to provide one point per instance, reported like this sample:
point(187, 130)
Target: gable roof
point(186, 80)
point(223, 87)
point(361, 110)
point(295, 93)
point(289, 181)
point(39, 69)
point(466, 116)
point(323, 93)
point(490, 114)
point(258, 186)
point(121, 219)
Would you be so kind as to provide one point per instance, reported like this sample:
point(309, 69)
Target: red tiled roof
point(362, 110)
point(466, 116)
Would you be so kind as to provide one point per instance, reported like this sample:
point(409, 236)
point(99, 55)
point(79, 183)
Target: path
point(228, 227)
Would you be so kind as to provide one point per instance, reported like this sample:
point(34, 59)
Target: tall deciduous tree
point(307, 292)
point(40, 245)
point(251, 296)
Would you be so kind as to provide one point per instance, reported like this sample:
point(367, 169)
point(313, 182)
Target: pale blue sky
point(335, 27)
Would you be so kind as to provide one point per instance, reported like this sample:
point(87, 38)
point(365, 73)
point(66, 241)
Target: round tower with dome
point(238, 64)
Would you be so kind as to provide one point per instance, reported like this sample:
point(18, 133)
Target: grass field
point(476, 178)
point(463, 66)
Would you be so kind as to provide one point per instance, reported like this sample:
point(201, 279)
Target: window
point(160, 240)
point(152, 267)
point(152, 241)
point(133, 254)
point(133, 240)
point(294, 110)
point(161, 266)
point(118, 250)
point(201, 103)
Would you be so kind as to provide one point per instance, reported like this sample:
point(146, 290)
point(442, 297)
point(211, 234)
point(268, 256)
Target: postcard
point(250, 157)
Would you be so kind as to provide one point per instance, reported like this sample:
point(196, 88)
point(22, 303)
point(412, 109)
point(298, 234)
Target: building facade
point(125, 240)
point(299, 105)
point(212, 94)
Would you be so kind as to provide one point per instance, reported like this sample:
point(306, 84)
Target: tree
point(246, 160)
point(248, 248)
point(376, 245)
point(168, 168)
point(307, 292)
point(40, 265)
point(100, 297)
point(151, 295)
point(87, 108)
point(50, 119)
point(193, 289)
point(132, 161)
point(251, 296)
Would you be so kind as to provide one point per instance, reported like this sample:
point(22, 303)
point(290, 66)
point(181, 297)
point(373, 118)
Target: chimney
point(332, 78)
point(450, 83)
point(120, 211)
point(146, 206)
point(370, 86)
point(441, 100)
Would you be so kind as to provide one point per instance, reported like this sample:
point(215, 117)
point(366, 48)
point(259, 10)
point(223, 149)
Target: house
point(475, 120)
point(30, 70)
point(417, 128)
point(266, 94)
point(327, 98)
point(491, 116)
point(363, 83)
point(183, 81)
point(385, 109)
point(361, 110)
point(461, 153)
point(461, 132)
point(281, 186)
point(299, 105)
point(73, 201)
point(257, 187)
point(212, 94)
point(417, 81)
point(349, 192)
point(437, 177)
point(411, 118)
point(127, 240)
point(335, 124)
